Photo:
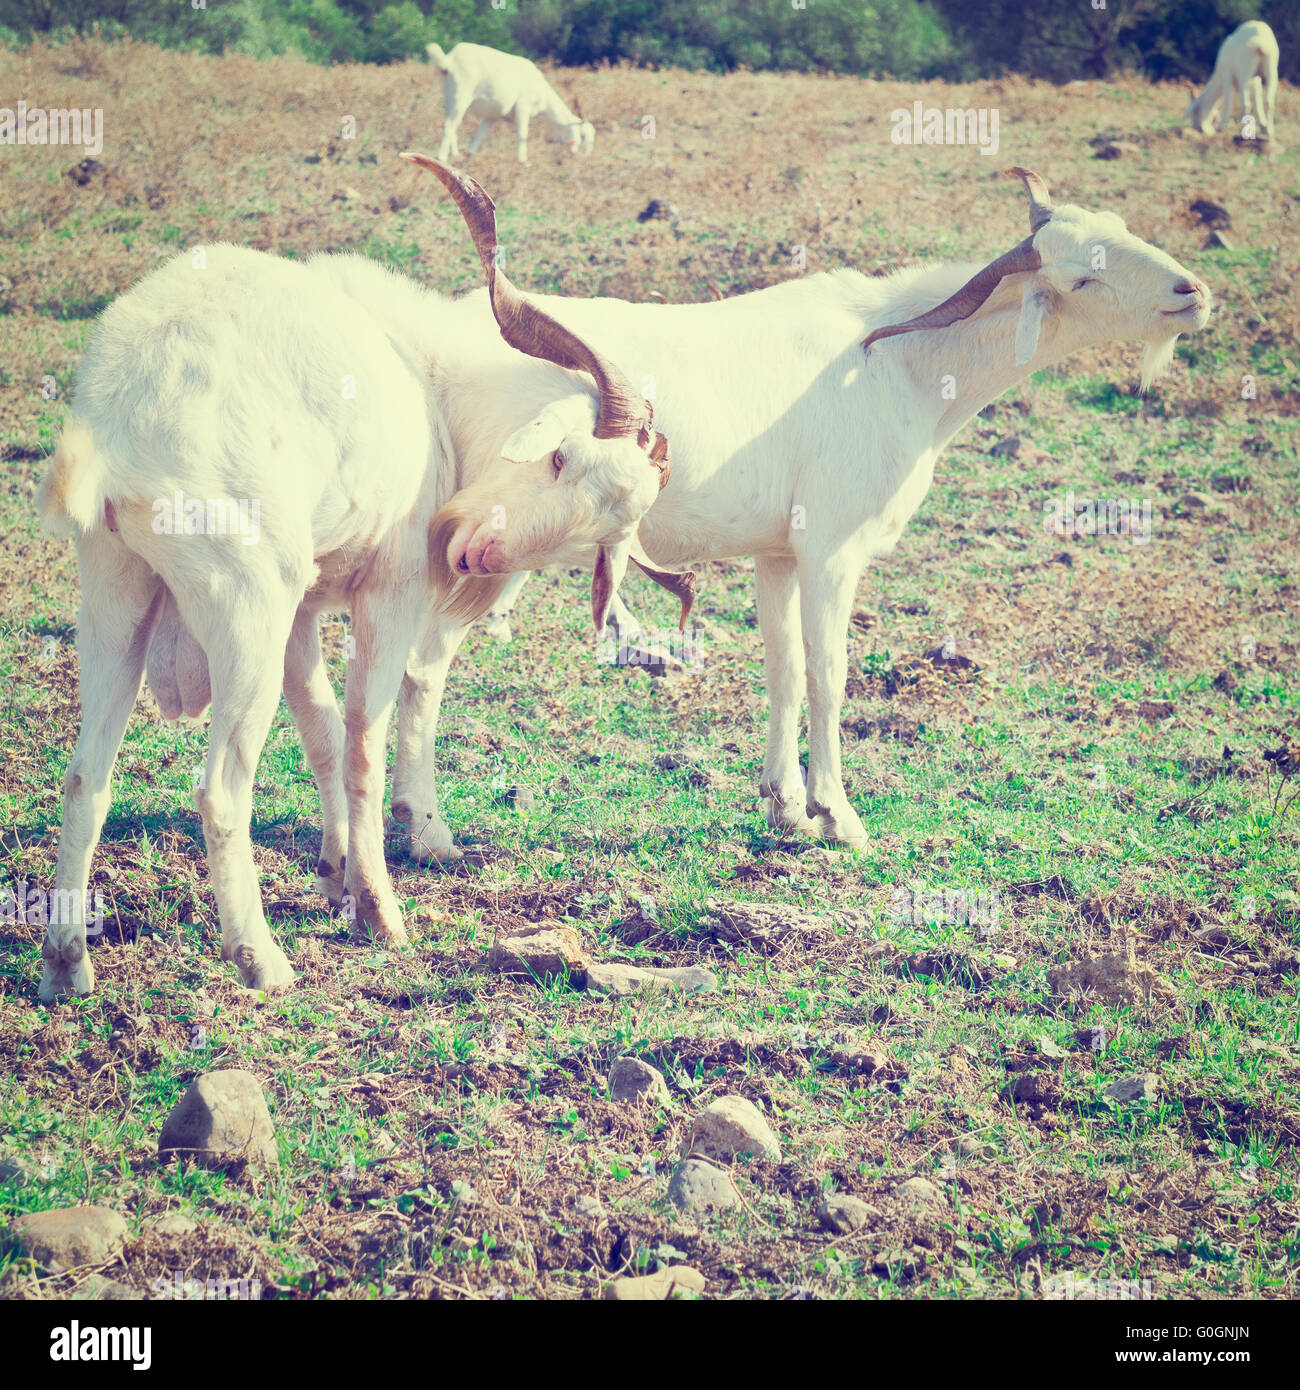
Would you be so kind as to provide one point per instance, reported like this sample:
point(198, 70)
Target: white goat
point(796, 445)
point(308, 401)
point(484, 82)
point(1245, 73)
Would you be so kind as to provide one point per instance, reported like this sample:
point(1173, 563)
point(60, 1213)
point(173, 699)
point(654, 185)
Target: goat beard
point(1156, 357)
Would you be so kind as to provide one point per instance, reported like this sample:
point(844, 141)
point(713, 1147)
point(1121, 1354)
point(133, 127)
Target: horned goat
point(1245, 73)
point(806, 420)
point(254, 442)
point(484, 82)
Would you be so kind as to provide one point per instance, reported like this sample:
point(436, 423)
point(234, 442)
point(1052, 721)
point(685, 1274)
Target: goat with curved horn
point(1022, 258)
point(624, 412)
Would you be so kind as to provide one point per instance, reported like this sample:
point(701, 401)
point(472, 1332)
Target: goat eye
point(557, 462)
point(1079, 284)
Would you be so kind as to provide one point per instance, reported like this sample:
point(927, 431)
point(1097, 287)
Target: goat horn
point(1021, 257)
point(1040, 200)
point(623, 411)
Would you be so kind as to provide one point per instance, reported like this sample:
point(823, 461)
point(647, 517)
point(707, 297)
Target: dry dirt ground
point(1105, 752)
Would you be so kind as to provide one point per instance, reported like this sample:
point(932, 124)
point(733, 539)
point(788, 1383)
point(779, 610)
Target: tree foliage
point(910, 39)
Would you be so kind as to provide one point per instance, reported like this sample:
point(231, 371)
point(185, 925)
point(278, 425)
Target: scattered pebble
point(174, 1223)
point(678, 1281)
point(628, 979)
point(919, 1190)
point(730, 1128)
point(631, 1079)
point(69, 1236)
point(221, 1120)
point(839, 1212)
point(588, 1207)
point(544, 951)
point(697, 1184)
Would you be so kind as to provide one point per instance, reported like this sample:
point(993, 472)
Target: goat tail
point(73, 495)
point(437, 57)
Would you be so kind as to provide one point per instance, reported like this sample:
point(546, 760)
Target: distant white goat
point(806, 420)
point(253, 442)
point(1245, 73)
point(484, 82)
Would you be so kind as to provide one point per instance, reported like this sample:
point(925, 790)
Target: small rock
point(903, 1263)
point(1145, 1086)
point(221, 1120)
point(588, 1207)
point(972, 1147)
point(16, 1171)
point(70, 1236)
point(678, 1281)
point(763, 925)
point(174, 1223)
point(919, 1190)
point(1116, 149)
point(839, 1212)
point(628, 979)
point(98, 1289)
point(869, 1059)
point(520, 798)
point(732, 1127)
point(546, 950)
point(696, 1184)
point(384, 1144)
point(658, 210)
point(631, 1079)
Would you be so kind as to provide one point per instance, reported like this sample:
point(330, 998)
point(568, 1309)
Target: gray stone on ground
point(730, 1128)
point(696, 1185)
point(18, 1171)
point(69, 1236)
point(678, 1281)
point(629, 979)
point(971, 1146)
point(842, 1213)
point(174, 1223)
point(544, 950)
point(631, 1079)
point(1144, 1086)
point(588, 1206)
point(919, 1190)
point(222, 1120)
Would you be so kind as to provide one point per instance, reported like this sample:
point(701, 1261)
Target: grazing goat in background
point(312, 401)
point(483, 82)
point(1245, 73)
point(806, 420)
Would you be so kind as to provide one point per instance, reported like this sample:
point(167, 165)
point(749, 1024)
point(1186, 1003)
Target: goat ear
point(535, 440)
point(1034, 309)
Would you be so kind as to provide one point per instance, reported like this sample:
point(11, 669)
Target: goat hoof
point(839, 829)
point(329, 880)
point(433, 844)
point(264, 968)
point(499, 631)
point(67, 971)
point(381, 915)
